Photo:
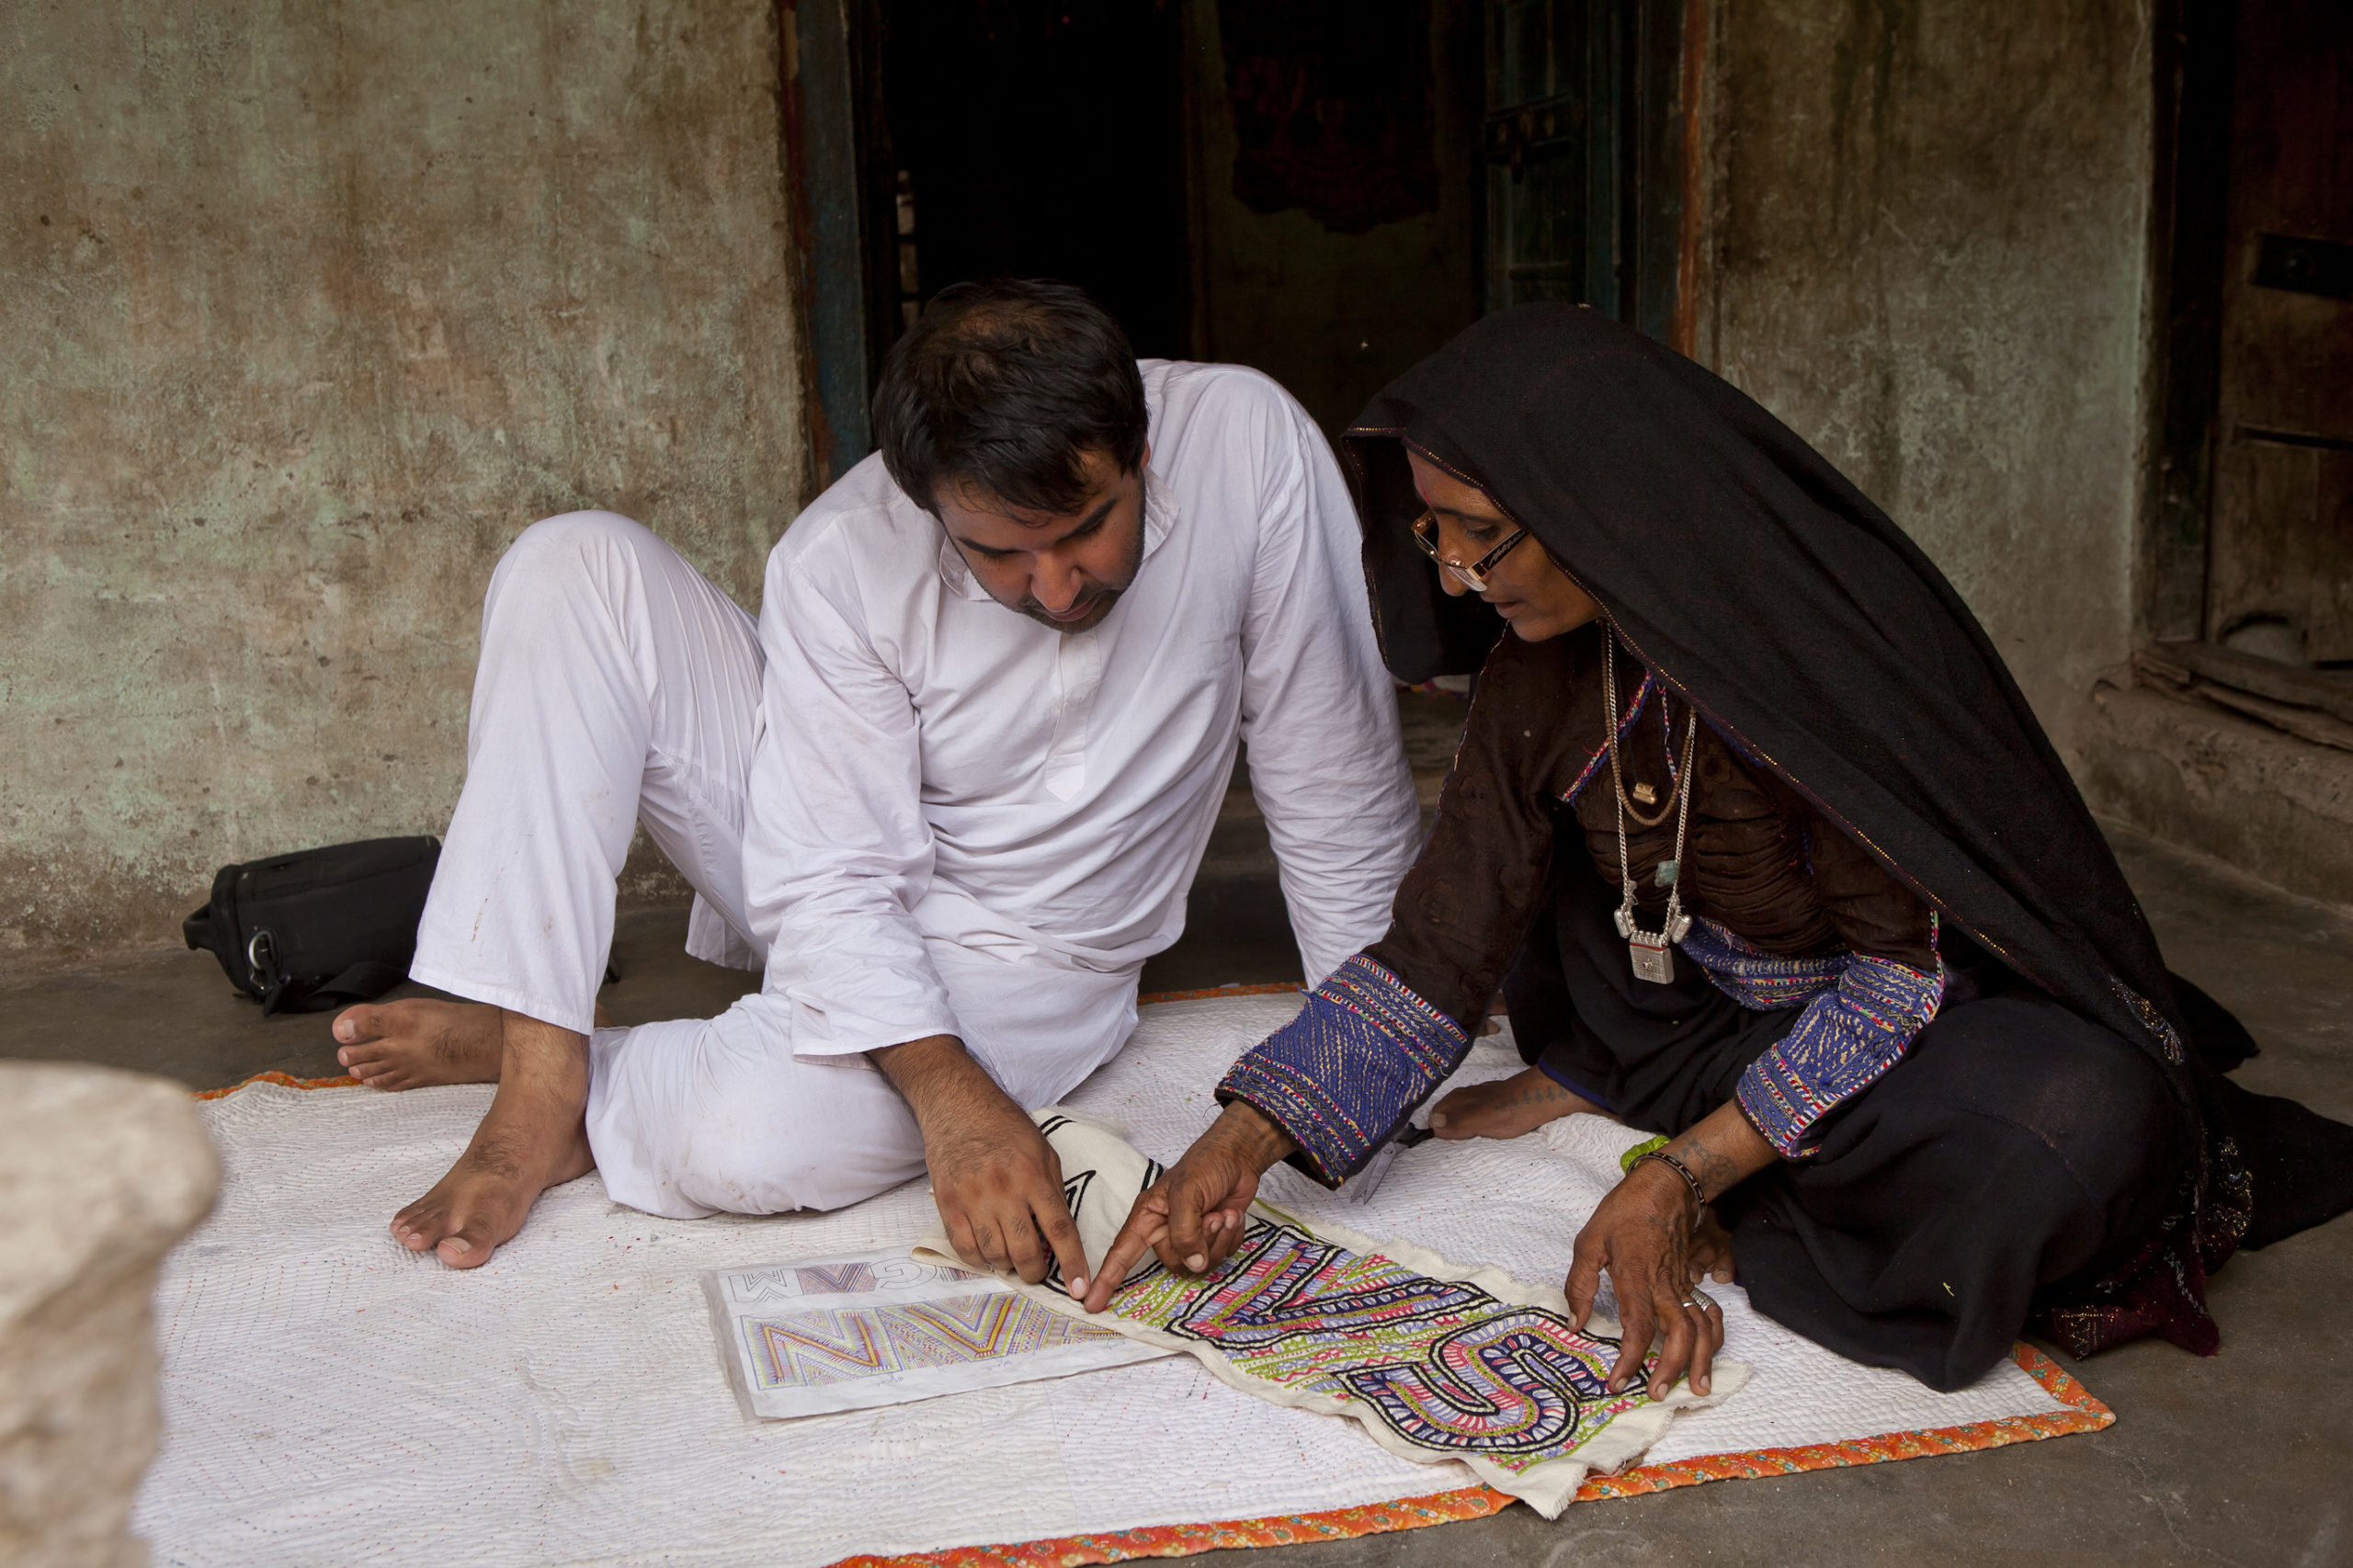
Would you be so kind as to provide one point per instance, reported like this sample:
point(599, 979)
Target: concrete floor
point(2245, 1458)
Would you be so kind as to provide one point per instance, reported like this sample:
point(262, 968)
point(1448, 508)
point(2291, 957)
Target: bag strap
point(358, 983)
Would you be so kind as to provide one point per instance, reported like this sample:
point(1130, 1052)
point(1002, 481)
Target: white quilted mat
point(332, 1399)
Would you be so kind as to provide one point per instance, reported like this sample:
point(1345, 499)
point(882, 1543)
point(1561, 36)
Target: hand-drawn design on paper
point(840, 1280)
point(1445, 1365)
point(849, 1277)
point(834, 1345)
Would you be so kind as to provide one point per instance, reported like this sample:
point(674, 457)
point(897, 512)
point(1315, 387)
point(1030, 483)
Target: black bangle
point(1699, 1194)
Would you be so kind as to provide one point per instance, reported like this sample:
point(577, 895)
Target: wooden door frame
point(834, 158)
point(1643, 231)
point(2188, 234)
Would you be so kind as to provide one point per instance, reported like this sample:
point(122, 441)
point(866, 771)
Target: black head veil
point(1758, 582)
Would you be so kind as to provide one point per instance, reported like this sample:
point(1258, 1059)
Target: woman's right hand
point(1193, 1215)
point(1641, 1236)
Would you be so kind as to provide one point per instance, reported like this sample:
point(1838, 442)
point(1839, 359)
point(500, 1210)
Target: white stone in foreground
point(100, 1173)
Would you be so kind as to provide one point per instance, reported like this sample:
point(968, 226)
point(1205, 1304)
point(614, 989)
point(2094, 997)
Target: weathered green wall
point(306, 309)
point(1930, 257)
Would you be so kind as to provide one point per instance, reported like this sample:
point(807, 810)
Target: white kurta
point(956, 820)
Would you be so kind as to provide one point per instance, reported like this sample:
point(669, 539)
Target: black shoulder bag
point(320, 927)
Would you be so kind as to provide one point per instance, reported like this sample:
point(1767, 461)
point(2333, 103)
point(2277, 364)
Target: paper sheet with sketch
point(863, 1329)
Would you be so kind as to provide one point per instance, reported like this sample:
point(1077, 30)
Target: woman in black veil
point(1764, 850)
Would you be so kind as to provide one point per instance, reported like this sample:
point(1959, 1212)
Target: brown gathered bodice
point(1758, 860)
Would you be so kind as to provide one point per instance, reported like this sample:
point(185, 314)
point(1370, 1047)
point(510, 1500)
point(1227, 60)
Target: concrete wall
point(1929, 256)
point(305, 310)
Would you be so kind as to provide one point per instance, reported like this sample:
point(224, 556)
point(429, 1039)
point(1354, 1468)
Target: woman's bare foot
point(420, 1041)
point(1505, 1108)
point(532, 1138)
point(1710, 1249)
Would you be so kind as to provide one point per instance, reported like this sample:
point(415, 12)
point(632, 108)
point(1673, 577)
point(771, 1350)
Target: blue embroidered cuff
point(1755, 978)
point(1343, 1076)
point(1843, 1041)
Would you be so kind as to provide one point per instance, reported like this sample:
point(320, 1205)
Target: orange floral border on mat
point(284, 1080)
point(2083, 1413)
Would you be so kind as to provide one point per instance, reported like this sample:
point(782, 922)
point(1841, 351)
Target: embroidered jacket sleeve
point(1393, 1021)
point(1885, 991)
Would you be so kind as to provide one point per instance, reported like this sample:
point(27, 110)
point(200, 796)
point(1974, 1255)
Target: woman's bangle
point(1633, 1156)
point(1699, 1194)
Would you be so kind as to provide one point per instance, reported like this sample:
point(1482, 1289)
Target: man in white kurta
point(929, 814)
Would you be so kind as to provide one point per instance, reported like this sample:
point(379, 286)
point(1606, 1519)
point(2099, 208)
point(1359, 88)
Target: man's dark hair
point(1006, 385)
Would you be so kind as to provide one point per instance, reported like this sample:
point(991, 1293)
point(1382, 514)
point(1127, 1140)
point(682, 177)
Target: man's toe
point(467, 1247)
point(354, 1025)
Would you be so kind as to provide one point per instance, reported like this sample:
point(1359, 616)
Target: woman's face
point(1532, 595)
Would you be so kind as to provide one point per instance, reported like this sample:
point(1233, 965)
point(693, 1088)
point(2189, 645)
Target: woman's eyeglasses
point(1474, 576)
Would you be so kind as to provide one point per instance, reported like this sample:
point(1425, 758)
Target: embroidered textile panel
point(1443, 1364)
point(1437, 1363)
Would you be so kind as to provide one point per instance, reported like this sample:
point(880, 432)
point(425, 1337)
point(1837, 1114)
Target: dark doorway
point(1326, 191)
point(2253, 537)
point(1042, 139)
point(1335, 188)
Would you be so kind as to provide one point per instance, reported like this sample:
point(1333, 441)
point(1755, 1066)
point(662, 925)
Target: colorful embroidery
point(815, 1348)
point(1847, 1037)
point(1342, 1076)
point(1755, 978)
point(1444, 1365)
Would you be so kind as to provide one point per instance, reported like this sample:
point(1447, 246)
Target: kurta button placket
point(1078, 675)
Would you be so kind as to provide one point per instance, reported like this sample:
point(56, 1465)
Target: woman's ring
point(1700, 1300)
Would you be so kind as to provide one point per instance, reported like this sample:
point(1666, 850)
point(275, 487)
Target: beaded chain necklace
point(1653, 952)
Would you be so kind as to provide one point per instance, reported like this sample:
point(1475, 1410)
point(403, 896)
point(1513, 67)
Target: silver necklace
point(1653, 953)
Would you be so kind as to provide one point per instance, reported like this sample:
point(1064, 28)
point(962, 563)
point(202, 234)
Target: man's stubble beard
point(1104, 601)
point(1108, 597)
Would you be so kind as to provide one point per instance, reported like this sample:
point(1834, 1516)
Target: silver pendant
point(1653, 958)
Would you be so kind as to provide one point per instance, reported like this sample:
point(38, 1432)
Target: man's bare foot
point(1506, 1108)
point(532, 1138)
point(420, 1041)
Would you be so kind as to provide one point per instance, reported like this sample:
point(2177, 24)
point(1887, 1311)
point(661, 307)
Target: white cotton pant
point(616, 686)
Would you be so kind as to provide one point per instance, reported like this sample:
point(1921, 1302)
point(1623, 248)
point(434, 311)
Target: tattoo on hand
point(1259, 1137)
point(1717, 1174)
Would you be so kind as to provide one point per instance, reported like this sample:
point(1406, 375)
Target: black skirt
point(2018, 1151)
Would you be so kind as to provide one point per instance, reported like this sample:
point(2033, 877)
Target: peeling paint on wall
point(304, 314)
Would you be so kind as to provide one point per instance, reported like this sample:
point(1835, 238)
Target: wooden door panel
point(2282, 542)
point(1547, 145)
